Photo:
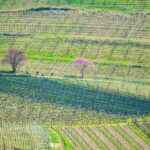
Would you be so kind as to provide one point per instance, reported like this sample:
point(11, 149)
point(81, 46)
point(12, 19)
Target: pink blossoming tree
point(81, 64)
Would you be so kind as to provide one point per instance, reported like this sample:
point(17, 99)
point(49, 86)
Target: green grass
point(116, 5)
point(55, 44)
point(67, 143)
point(62, 49)
point(36, 111)
point(111, 34)
point(74, 95)
point(52, 136)
point(47, 56)
point(140, 134)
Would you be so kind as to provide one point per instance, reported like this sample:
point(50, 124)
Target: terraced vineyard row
point(46, 124)
point(64, 37)
point(23, 136)
point(74, 22)
point(78, 96)
point(99, 71)
point(104, 136)
point(71, 47)
point(116, 136)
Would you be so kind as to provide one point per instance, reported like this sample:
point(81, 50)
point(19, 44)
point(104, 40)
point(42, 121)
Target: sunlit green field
point(46, 104)
point(115, 5)
point(53, 39)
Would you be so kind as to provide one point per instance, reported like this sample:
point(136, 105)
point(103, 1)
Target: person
point(27, 72)
point(42, 74)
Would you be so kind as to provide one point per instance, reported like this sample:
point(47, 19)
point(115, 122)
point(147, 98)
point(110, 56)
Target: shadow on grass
point(60, 92)
point(7, 72)
point(73, 76)
point(12, 35)
point(48, 9)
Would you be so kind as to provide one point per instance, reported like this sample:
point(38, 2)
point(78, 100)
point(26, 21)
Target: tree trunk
point(82, 73)
point(14, 68)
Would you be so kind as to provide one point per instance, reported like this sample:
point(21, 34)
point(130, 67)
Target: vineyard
point(84, 130)
point(74, 75)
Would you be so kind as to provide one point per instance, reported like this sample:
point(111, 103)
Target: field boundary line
point(60, 141)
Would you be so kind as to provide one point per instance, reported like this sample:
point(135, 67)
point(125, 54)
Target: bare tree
point(14, 58)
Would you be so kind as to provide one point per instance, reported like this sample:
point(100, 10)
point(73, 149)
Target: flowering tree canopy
point(81, 64)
